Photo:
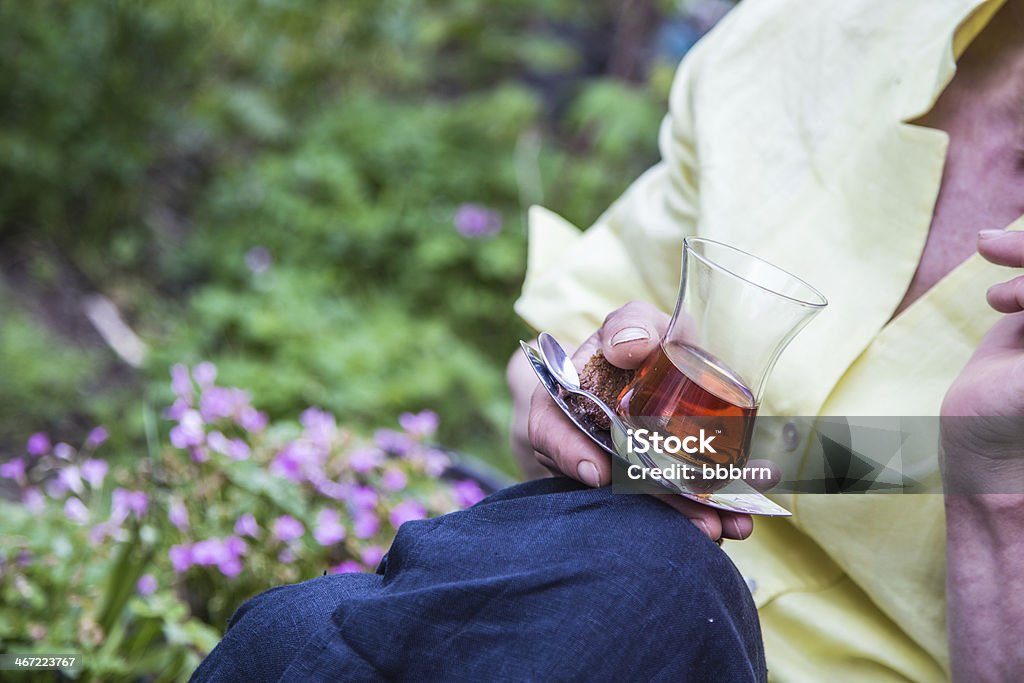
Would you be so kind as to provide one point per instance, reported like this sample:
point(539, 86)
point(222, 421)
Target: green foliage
point(138, 570)
point(297, 341)
point(31, 383)
point(76, 139)
point(61, 592)
point(272, 185)
point(154, 145)
point(374, 302)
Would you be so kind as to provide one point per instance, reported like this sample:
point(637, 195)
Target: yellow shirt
point(787, 136)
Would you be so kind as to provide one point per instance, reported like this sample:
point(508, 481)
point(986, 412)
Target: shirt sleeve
point(574, 279)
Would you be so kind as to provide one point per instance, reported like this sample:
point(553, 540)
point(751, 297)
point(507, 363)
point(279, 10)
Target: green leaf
point(257, 481)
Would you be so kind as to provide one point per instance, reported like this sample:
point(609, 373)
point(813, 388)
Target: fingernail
point(992, 234)
point(588, 474)
point(703, 526)
point(735, 523)
point(630, 334)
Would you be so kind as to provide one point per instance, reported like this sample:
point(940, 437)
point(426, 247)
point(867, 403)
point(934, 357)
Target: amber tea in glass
point(734, 316)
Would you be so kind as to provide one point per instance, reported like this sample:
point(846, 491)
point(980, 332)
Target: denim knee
point(266, 632)
point(685, 589)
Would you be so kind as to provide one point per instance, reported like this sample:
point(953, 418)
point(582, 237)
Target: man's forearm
point(985, 585)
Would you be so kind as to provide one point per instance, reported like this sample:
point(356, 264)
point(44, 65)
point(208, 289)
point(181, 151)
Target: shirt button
point(790, 436)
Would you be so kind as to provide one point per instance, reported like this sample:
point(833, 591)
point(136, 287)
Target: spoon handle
point(612, 415)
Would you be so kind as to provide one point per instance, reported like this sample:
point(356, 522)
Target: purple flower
point(24, 558)
point(199, 454)
point(38, 444)
point(238, 450)
point(75, 510)
point(286, 556)
point(178, 437)
point(56, 488)
point(347, 567)
point(372, 555)
point(287, 464)
point(474, 220)
point(246, 526)
point(394, 479)
point(252, 420)
point(146, 585)
point(230, 567)
point(365, 459)
point(406, 511)
point(468, 493)
point(258, 260)
point(94, 471)
point(365, 524)
point(332, 489)
point(124, 502)
point(363, 497)
point(63, 451)
point(320, 426)
point(189, 430)
point(393, 442)
point(299, 460)
point(110, 528)
point(286, 528)
point(177, 409)
point(236, 546)
point(96, 437)
point(181, 382)
point(209, 551)
point(423, 423)
point(435, 462)
point(217, 442)
point(223, 553)
point(217, 402)
point(14, 469)
point(329, 529)
point(181, 557)
point(177, 513)
point(205, 374)
point(71, 477)
point(33, 500)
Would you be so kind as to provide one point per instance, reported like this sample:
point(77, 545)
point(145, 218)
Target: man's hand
point(983, 450)
point(983, 437)
point(627, 337)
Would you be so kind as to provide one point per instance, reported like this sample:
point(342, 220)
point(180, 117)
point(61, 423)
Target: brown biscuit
point(603, 379)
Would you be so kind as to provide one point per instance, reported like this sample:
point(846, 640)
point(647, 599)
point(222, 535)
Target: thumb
point(631, 333)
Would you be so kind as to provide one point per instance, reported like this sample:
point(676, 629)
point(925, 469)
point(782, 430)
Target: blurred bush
point(326, 198)
point(138, 570)
point(32, 383)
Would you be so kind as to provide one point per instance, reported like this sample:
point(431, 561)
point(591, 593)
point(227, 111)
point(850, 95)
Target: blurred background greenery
point(325, 199)
point(274, 186)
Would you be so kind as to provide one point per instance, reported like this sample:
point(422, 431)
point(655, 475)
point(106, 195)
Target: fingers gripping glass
point(734, 316)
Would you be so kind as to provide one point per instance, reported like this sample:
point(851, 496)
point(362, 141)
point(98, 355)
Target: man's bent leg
point(543, 580)
point(267, 632)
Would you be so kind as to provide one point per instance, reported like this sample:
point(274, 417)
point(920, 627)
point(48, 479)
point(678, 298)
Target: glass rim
point(689, 241)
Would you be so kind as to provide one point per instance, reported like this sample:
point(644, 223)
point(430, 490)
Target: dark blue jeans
point(542, 581)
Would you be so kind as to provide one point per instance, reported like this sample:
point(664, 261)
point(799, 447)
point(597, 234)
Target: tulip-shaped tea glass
point(734, 316)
